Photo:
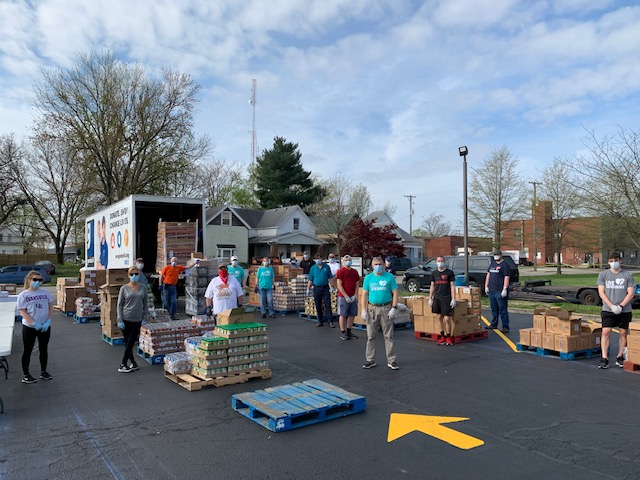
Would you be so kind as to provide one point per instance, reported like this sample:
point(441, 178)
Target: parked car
point(399, 264)
point(49, 266)
point(418, 278)
point(16, 273)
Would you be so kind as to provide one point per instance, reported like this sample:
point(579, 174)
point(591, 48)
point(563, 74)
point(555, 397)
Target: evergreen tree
point(281, 180)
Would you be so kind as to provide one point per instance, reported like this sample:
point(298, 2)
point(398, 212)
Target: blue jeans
point(170, 299)
point(499, 308)
point(266, 301)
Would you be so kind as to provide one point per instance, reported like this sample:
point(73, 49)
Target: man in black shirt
point(442, 299)
point(306, 264)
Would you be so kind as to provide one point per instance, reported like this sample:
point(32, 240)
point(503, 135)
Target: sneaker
point(369, 365)
point(620, 361)
point(343, 336)
point(489, 327)
point(124, 368)
point(351, 336)
point(331, 325)
point(604, 363)
point(442, 340)
point(449, 342)
point(28, 379)
point(264, 315)
point(45, 376)
point(134, 366)
point(319, 324)
point(393, 366)
point(505, 330)
point(273, 315)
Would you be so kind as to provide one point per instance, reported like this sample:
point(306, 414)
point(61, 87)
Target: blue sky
point(384, 91)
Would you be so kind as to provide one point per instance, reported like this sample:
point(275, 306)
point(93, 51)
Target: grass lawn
point(66, 270)
point(573, 280)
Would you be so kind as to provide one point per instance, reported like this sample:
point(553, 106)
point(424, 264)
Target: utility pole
point(410, 197)
point(535, 236)
point(254, 137)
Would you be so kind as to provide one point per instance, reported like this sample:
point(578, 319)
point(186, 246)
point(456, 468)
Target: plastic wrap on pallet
point(178, 362)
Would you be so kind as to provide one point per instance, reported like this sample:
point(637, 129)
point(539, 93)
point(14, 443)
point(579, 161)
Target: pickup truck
point(418, 278)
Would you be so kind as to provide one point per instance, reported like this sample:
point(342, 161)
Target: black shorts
point(611, 320)
point(441, 306)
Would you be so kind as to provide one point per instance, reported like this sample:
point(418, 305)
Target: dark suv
point(420, 277)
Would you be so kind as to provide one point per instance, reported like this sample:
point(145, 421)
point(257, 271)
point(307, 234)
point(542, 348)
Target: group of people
point(379, 300)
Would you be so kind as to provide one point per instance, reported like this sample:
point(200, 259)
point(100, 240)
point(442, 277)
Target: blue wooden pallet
point(68, 314)
point(113, 341)
point(545, 352)
point(286, 407)
point(314, 318)
point(77, 319)
point(287, 312)
point(151, 359)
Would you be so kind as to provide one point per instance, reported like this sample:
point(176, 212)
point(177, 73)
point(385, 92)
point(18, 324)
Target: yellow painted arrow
point(401, 424)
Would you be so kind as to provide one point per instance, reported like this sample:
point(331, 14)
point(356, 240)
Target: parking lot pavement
point(538, 417)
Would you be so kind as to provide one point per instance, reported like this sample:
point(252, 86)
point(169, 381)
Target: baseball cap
point(497, 252)
point(388, 258)
point(234, 257)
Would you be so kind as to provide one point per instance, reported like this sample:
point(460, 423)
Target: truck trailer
point(118, 234)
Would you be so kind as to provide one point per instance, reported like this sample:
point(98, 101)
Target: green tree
point(129, 133)
point(11, 198)
point(281, 180)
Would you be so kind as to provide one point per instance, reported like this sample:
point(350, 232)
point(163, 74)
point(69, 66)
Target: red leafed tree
point(364, 240)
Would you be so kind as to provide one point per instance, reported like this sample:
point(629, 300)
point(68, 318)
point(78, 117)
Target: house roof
point(266, 218)
point(374, 215)
point(291, 238)
point(213, 212)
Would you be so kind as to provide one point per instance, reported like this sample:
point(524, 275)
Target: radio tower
point(254, 137)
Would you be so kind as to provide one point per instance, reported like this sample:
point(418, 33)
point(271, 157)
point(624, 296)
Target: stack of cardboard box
point(66, 293)
point(559, 330)
point(166, 337)
point(248, 346)
point(289, 290)
point(85, 307)
point(633, 343)
point(462, 322)
point(175, 239)
point(109, 311)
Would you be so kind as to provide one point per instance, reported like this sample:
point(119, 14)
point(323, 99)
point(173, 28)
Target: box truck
point(128, 229)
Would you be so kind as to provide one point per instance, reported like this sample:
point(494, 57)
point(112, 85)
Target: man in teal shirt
point(319, 276)
point(265, 288)
point(379, 308)
point(235, 270)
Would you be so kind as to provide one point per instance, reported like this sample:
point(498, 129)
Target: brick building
point(454, 244)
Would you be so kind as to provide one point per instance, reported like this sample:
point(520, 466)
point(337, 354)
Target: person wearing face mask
point(379, 309)
point(168, 285)
point(496, 285)
point(143, 279)
point(347, 281)
point(388, 267)
point(223, 292)
point(442, 299)
point(265, 277)
point(236, 271)
point(132, 313)
point(616, 288)
point(36, 307)
point(306, 264)
point(319, 278)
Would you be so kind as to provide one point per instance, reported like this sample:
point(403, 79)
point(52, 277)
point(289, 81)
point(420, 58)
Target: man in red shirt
point(348, 281)
point(168, 283)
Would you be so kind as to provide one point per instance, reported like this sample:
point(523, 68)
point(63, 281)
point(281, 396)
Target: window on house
point(296, 224)
point(226, 218)
point(517, 233)
point(1, 239)
point(226, 252)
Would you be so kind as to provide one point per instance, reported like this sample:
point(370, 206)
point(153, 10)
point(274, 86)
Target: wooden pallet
point(286, 407)
point(194, 383)
point(468, 337)
point(151, 359)
point(77, 319)
point(113, 341)
point(65, 313)
point(545, 352)
point(631, 367)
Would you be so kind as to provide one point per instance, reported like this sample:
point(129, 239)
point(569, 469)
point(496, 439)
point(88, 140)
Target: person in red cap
point(224, 292)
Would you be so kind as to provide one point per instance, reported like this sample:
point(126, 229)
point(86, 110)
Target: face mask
point(347, 263)
point(614, 265)
point(135, 277)
point(387, 263)
point(377, 269)
point(35, 284)
point(440, 264)
point(318, 261)
point(223, 274)
point(331, 259)
point(173, 264)
point(265, 264)
point(306, 257)
point(234, 263)
point(140, 265)
point(497, 257)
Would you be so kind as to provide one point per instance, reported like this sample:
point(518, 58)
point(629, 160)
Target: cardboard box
point(67, 281)
point(233, 316)
point(569, 326)
point(425, 324)
point(539, 319)
point(595, 340)
point(567, 343)
point(536, 338)
point(549, 341)
point(416, 304)
point(633, 342)
point(634, 328)
point(525, 336)
point(459, 312)
point(117, 276)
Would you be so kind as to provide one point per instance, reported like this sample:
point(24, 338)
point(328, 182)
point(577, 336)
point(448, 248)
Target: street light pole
point(410, 197)
point(535, 235)
point(463, 151)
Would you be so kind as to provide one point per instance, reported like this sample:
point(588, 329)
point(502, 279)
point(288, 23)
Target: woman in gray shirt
point(132, 313)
